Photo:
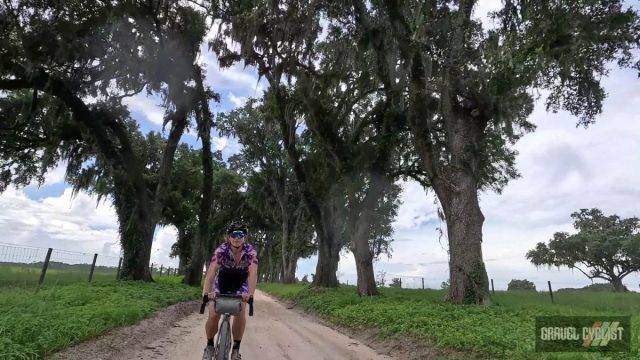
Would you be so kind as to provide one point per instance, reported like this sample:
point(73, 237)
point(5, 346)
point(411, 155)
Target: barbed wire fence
point(28, 266)
point(496, 285)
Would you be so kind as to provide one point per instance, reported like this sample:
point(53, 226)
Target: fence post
point(45, 265)
point(161, 267)
point(493, 290)
point(151, 269)
point(93, 266)
point(118, 271)
point(400, 282)
point(550, 291)
point(176, 272)
point(422, 283)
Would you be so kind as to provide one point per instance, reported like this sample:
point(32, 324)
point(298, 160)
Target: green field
point(27, 275)
point(36, 324)
point(504, 330)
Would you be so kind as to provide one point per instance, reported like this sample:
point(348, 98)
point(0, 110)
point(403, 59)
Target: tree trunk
point(366, 277)
point(363, 215)
point(364, 263)
point(136, 238)
point(184, 244)
point(289, 256)
point(468, 280)
point(618, 286)
point(290, 269)
point(181, 265)
point(323, 222)
point(284, 246)
point(193, 275)
point(328, 257)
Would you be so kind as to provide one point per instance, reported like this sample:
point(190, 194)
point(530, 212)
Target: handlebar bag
point(228, 305)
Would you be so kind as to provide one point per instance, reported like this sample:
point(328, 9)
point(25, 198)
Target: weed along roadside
point(34, 325)
point(503, 330)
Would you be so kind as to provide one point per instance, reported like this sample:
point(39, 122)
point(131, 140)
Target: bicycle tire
point(224, 341)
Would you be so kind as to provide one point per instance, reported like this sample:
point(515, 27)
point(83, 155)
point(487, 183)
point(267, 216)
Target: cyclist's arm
point(253, 278)
point(208, 280)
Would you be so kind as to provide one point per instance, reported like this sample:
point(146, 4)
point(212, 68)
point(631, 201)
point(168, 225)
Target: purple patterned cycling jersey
point(223, 256)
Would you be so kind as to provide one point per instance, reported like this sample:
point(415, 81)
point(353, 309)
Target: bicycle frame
point(226, 305)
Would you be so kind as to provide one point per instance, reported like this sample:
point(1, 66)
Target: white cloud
point(482, 10)
point(220, 143)
point(417, 207)
point(151, 108)
point(74, 224)
point(238, 101)
point(57, 174)
point(164, 238)
point(66, 223)
point(238, 80)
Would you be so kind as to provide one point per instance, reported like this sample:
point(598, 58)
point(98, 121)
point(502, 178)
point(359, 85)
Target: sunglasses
point(238, 235)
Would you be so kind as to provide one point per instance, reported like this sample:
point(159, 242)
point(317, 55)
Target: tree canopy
point(604, 247)
point(359, 95)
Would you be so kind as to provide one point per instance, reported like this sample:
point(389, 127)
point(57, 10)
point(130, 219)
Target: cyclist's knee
point(242, 312)
point(212, 313)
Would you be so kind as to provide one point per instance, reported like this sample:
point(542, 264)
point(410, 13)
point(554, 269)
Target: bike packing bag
point(228, 305)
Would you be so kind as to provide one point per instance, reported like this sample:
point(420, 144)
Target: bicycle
point(226, 305)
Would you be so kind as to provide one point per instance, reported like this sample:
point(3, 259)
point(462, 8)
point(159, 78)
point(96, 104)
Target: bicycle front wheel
point(224, 341)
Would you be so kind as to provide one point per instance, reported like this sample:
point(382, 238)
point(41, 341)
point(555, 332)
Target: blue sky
point(563, 168)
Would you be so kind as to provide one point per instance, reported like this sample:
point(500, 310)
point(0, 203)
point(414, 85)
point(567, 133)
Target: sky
point(563, 167)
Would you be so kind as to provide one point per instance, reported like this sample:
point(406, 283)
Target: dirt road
point(274, 332)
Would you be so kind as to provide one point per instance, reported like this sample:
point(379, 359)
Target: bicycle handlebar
point(205, 300)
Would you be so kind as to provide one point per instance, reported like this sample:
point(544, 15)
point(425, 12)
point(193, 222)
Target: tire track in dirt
point(275, 332)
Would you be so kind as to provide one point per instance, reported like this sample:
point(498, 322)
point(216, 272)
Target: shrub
point(396, 283)
point(521, 285)
point(600, 287)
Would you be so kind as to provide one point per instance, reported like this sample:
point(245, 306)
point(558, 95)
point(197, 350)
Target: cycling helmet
point(237, 226)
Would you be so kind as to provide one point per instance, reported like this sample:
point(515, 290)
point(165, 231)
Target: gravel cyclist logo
point(600, 333)
point(583, 333)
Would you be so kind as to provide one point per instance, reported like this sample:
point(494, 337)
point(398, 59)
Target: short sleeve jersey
point(232, 277)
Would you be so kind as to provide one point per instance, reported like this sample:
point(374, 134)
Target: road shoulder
point(116, 343)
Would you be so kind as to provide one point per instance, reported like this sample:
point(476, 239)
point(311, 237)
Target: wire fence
point(27, 266)
point(549, 288)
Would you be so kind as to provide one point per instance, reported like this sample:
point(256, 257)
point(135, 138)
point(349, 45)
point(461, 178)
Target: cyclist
point(233, 270)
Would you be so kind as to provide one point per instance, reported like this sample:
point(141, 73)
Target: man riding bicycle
point(233, 271)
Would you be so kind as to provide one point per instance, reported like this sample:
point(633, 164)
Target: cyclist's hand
point(245, 297)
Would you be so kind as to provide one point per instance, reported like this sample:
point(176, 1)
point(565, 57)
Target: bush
point(396, 283)
point(599, 287)
point(593, 287)
point(521, 285)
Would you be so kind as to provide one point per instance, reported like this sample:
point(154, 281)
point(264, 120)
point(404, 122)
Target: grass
point(34, 325)
point(28, 276)
point(504, 330)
